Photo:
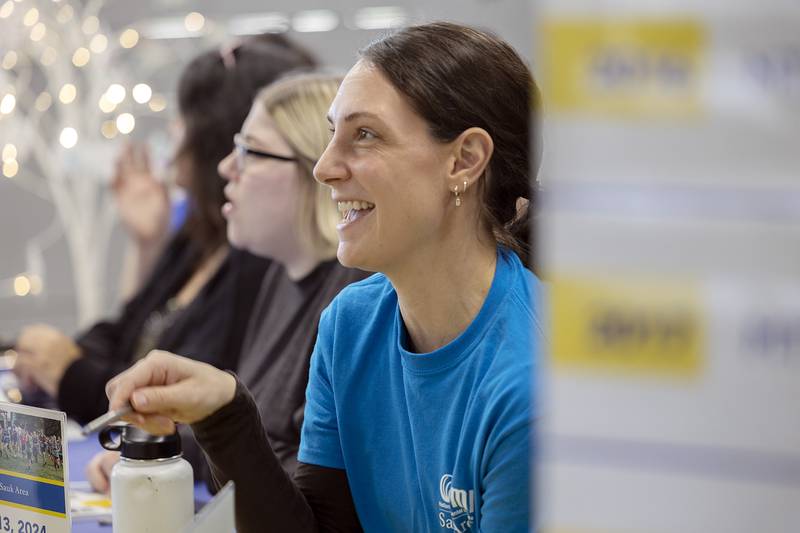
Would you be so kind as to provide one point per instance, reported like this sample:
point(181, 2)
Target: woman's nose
point(330, 167)
point(227, 168)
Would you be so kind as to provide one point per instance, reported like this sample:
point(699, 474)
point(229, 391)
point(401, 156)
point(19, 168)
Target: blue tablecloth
point(79, 455)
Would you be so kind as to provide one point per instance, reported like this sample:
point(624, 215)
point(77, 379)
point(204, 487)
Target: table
point(79, 455)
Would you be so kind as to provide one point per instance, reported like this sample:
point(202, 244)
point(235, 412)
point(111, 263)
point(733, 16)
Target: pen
point(104, 420)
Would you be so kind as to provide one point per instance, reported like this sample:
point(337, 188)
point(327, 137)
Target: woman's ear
point(471, 152)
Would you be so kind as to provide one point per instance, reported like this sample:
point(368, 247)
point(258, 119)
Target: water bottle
point(152, 486)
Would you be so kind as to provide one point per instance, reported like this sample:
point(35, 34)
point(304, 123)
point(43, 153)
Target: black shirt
point(277, 349)
point(211, 328)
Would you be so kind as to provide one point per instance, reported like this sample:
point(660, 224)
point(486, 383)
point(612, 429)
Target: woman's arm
point(164, 388)
point(317, 499)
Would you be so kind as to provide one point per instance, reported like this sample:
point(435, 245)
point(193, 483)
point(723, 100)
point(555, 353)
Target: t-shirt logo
point(456, 506)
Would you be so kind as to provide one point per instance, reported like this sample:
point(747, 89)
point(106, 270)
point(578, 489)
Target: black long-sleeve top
point(314, 500)
point(211, 328)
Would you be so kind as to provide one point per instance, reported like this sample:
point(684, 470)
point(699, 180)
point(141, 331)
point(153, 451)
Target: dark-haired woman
point(418, 404)
point(199, 294)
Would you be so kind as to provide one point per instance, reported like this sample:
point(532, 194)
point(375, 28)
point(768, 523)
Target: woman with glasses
point(200, 293)
point(276, 209)
point(418, 407)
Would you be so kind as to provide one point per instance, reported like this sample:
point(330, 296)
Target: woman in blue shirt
point(419, 398)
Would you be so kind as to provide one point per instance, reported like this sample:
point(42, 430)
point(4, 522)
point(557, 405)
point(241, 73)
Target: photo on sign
point(31, 445)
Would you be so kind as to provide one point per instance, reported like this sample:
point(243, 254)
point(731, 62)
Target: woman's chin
point(349, 256)
point(235, 239)
point(346, 256)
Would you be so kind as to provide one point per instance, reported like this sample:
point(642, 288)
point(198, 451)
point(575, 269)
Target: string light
point(125, 123)
point(43, 101)
point(9, 152)
point(129, 38)
point(81, 57)
point(68, 137)
point(38, 32)
point(90, 25)
point(142, 93)
point(6, 9)
point(67, 93)
point(22, 285)
point(194, 21)
point(65, 14)
point(49, 55)
point(115, 93)
point(98, 44)
point(109, 129)
point(31, 17)
point(7, 104)
point(106, 105)
point(157, 103)
point(10, 60)
point(36, 284)
point(10, 168)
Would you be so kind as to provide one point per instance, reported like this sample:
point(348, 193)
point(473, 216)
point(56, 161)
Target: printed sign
point(33, 490)
point(639, 327)
point(623, 67)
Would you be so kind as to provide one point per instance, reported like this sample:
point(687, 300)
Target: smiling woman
point(418, 406)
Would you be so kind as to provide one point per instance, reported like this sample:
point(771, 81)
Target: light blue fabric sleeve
point(506, 490)
point(319, 440)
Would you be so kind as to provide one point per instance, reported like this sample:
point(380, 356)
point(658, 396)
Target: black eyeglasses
point(242, 151)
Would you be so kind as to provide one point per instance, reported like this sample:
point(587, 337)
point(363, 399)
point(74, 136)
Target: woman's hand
point(164, 388)
point(142, 200)
point(98, 471)
point(43, 355)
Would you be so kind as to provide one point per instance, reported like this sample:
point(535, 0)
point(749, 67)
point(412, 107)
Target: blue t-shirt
point(435, 441)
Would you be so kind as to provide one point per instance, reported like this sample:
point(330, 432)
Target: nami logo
point(456, 506)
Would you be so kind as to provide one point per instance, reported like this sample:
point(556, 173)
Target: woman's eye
point(365, 135)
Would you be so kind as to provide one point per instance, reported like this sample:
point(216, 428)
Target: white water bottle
point(152, 486)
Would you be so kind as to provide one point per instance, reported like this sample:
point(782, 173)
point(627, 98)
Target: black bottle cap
point(135, 443)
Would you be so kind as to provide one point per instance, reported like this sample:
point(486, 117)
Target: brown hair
point(456, 77)
point(215, 93)
point(298, 104)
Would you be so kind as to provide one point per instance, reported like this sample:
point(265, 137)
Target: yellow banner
point(624, 326)
point(633, 68)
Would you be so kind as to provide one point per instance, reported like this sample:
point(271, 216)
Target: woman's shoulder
point(362, 300)
point(375, 286)
point(525, 290)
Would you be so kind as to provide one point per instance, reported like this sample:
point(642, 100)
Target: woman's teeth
point(356, 204)
point(349, 209)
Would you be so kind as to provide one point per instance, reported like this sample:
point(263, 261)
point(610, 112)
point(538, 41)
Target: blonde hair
point(298, 104)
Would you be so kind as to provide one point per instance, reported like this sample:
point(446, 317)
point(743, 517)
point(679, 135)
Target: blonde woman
point(277, 210)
